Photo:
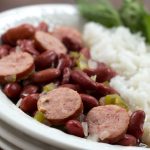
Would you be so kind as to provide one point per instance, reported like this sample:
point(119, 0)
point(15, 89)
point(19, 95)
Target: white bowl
point(18, 130)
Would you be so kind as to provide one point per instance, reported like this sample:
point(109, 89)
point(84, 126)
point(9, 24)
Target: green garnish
point(80, 60)
point(11, 78)
point(116, 100)
point(99, 11)
point(146, 26)
point(49, 87)
point(131, 14)
point(135, 17)
point(39, 116)
point(74, 55)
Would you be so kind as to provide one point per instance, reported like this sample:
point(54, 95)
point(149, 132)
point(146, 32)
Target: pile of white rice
point(129, 56)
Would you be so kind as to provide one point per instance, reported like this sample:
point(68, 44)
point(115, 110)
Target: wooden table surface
point(7, 4)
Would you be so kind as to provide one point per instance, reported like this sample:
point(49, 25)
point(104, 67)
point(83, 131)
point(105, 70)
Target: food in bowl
point(52, 77)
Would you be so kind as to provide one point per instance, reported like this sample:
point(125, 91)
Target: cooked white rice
point(129, 56)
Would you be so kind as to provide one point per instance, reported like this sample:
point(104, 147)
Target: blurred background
point(7, 4)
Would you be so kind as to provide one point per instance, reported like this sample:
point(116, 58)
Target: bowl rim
point(40, 131)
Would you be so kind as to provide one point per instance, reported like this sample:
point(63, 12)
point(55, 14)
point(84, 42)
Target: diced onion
point(143, 145)
point(102, 101)
point(19, 102)
point(24, 95)
point(93, 77)
point(82, 62)
point(81, 118)
point(18, 49)
point(93, 137)
point(130, 112)
point(85, 128)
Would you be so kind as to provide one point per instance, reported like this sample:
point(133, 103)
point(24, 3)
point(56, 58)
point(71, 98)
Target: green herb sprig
point(131, 14)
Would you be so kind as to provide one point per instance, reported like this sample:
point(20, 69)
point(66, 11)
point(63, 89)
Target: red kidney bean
point(45, 60)
point(88, 102)
point(70, 37)
point(24, 31)
point(29, 103)
point(83, 80)
point(29, 89)
point(71, 45)
point(42, 26)
point(27, 46)
point(4, 50)
point(85, 52)
point(89, 72)
point(72, 86)
point(135, 127)
point(45, 76)
point(104, 90)
point(128, 140)
point(103, 72)
point(63, 62)
point(66, 75)
point(12, 90)
point(74, 127)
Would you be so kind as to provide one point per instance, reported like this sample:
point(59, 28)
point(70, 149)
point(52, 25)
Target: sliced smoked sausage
point(71, 37)
point(24, 31)
point(16, 65)
point(45, 41)
point(108, 122)
point(60, 105)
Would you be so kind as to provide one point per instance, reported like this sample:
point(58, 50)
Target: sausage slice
point(24, 31)
point(71, 37)
point(44, 42)
point(18, 64)
point(60, 105)
point(108, 122)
